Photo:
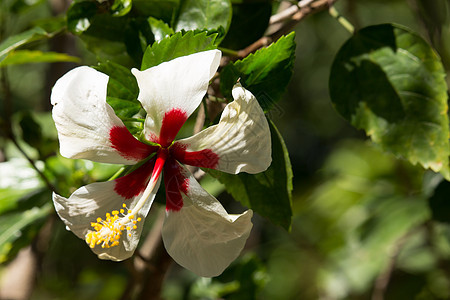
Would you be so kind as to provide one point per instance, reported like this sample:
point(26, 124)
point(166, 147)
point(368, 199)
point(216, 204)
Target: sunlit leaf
point(265, 73)
point(79, 15)
point(204, 14)
point(35, 56)
point(17, 173)
point(159, 28)
point(9, 198)
point(388, 81)
point(18, 229)
point(116, 38)
point(177, 45)
point(267, 193)
point(24, 204)
point(20, 39)
point(121, 7)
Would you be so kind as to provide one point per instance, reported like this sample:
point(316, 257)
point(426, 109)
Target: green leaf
point(267, 193)
point(31, 130)
point(160, 29)
point(20, 6)
point(247, 14)
point(265, 73)
point(9, 198)
point(250, 274)
point(18, 229)
point(105, 37)
point(122, 89)
point(388, 81)
point(365, 198)
point(124, 108)
point(19, 57)
point(122, 84)
point(23, 205)
point(204, 14)
point(121, 7)
point(164, 10)
point(117, 38)
point(38, 130)
point(79, 16)
point(17, 174)
point(177, 45)
point(52, 24)
point(20, 39)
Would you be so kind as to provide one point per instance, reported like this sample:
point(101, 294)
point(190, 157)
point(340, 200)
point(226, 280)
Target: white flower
point(198, 233)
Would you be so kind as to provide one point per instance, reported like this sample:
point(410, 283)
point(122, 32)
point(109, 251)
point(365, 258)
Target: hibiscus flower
point(197, 232)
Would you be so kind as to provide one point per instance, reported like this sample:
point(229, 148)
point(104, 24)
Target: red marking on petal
point(152, 138)
point(175, 183)
point(205, 158)
point(172, 122)
point(133, 184)
point(127, 146)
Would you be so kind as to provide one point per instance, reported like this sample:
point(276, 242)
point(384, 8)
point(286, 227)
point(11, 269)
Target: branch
point(291, 17)
point(382, 281)
point(289, 12)
point(47, 182)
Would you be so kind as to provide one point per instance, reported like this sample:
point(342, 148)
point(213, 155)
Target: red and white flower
point(197, 232)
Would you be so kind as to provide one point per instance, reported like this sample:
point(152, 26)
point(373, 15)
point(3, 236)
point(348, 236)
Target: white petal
point(84, 120)
point(177, 84)
point(241, 139)
point(88, 203)
point(202, 236)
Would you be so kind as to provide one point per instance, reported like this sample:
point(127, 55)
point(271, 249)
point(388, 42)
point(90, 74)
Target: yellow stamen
point(108, 232)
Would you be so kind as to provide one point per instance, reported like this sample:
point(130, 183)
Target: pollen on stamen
point(107, 232)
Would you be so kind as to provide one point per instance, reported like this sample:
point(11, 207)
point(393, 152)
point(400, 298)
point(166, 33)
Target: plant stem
point(47, 182)
point(202, 118)
point(383, 279)
point(229, 52)
point(8, 128)
point(295, 14)
point(133, 120)
point(343, 21)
